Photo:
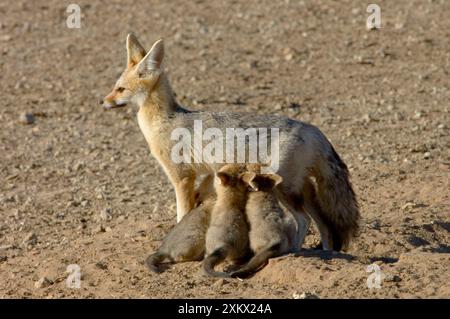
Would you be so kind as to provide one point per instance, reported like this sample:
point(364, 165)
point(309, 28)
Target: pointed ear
point(153, 60)
point(274, 179)
point(224, 178)
point(135, 51)
point(249, 179)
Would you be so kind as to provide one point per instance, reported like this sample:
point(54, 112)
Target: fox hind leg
point(302, 206)
point(313, 208)
point(303, 220)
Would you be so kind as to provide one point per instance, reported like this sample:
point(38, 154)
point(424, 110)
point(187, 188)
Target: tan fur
point(186, 240)
point(227, 235)
point(304, 151)
point(272, 232)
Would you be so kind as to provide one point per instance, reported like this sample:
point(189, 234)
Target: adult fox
point(304, 151)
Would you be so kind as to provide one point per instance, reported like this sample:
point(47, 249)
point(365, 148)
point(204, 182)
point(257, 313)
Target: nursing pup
point(227, 235)
point(272, 232)
point(186, 240)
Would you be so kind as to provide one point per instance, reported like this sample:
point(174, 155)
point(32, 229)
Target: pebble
point(219, 283)
point(98, 229)
point(30, 239)
point(367, 118)
point(392, 278)
point(410, 205)
point(3, 258)
point(289, 54)
point(26, 118)
point(426, 155)
point(417, 115)
point(5, 38)
point(106, 214)
point(101, 265)
point(43, 283)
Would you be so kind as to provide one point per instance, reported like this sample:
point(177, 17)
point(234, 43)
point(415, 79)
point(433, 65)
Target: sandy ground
point(79, 186)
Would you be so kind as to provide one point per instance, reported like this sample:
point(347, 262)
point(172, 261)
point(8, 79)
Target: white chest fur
point(145, 125)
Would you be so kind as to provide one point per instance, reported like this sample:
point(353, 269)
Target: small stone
point(43, 283)
point(392, 278)
point(101, 265)
point(5, 38)
point(367, 118)
point(134, 280)
point(289, 57)
point(407, 206)
point(26, 118)
point(426, 155)
point(3, 258)
point(411, 205)
point(78, 166)
point(289, 54)
point(374, 225)
point(417, 115)
point(219, 283)
point(30, 239)
point(106, 214)
point(98, 229)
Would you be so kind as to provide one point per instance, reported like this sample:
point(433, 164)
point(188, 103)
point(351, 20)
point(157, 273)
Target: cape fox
point(272, 232)
point(304, 151)
point(186, 240)
point(227, 235)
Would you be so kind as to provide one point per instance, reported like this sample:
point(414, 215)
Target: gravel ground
point(79, 186)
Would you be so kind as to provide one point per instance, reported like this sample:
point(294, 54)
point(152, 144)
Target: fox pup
point(186, 240)
point(272, 232)
point(303, 150)
point(227, 235)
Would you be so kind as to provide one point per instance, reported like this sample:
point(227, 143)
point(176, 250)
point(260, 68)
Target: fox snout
point(110, 101)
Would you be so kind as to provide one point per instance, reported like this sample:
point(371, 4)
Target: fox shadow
point(323, 254)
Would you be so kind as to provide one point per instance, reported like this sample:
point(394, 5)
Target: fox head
point(140, 76)
point(231, 177)
point(261, 182)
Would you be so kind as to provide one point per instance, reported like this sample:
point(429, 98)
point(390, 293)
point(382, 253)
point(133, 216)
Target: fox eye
point(120, 89)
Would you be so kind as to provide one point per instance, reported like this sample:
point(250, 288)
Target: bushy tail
point(257, 262)
point(212, 260)
point(337, 200)
point(154, 260)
